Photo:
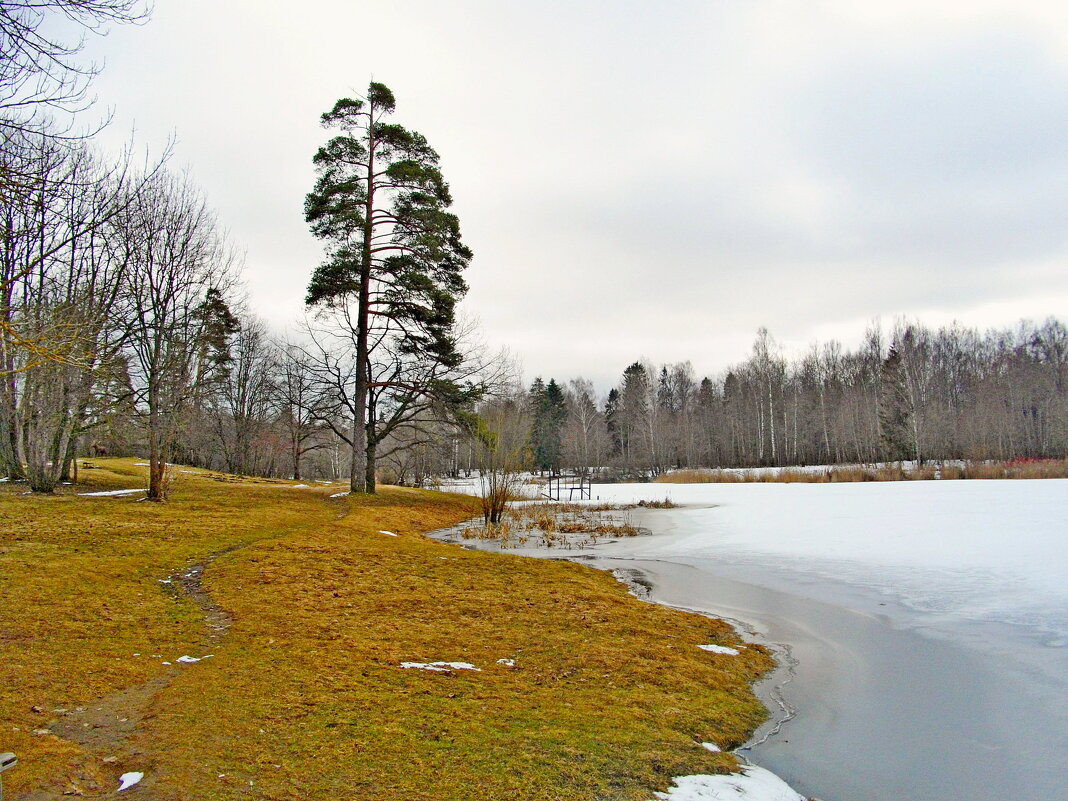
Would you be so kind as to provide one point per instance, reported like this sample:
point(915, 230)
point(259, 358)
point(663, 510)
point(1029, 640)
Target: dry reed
point(1015, 469)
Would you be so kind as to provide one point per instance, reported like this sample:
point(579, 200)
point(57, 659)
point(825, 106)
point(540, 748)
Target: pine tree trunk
point(358, 462)
point(369, 476)
point(358, 474)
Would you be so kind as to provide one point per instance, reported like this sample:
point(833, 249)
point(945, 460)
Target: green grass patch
point(304, 696)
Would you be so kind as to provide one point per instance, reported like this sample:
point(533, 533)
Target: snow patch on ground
point(339, 495)
point(719, 649)
point(506, 662)
point(715, 749)
point(440, 666)
point(111, 493)
point(128, 780)
point(752, 784)
point(390, 533)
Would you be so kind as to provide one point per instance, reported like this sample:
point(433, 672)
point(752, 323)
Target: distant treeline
point(917, 394)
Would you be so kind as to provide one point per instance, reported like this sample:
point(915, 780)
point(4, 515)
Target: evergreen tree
point(894, 428)
point(636, 410)
point(549, 408)
point(613, 423)
point(394, 252)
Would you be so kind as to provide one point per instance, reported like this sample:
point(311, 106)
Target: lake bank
point(927, 625)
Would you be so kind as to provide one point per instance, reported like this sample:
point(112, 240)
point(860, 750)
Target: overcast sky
point(644, 179)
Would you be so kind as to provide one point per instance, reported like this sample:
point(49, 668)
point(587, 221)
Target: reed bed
point(556, 524)
point(1015, 469)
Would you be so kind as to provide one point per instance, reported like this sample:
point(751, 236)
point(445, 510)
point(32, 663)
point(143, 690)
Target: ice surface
point(752, 784)
point(980, 551)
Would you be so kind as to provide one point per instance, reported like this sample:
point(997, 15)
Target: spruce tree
point(894, 413)
point(549, 408)
point(394, 258)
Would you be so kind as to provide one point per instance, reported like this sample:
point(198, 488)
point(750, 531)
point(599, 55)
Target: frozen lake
point(955, 551)
point(926, 624)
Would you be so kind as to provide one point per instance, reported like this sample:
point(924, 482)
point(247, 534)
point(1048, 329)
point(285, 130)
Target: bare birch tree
point(177, 261)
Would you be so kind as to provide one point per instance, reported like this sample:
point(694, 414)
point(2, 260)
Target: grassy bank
point(308, 610)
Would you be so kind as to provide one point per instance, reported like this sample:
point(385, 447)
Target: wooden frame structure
point(575, 485)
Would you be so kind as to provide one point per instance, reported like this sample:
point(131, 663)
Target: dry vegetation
point(557, 524)
point(1017, 468)
point(666, 503)
point(308, 609)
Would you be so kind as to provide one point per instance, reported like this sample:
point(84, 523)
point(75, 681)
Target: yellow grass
point(303, 696)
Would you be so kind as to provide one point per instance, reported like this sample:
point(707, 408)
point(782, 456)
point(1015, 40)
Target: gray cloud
point(648, 180)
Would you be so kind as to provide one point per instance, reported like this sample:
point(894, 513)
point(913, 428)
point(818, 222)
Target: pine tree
point(394, 252)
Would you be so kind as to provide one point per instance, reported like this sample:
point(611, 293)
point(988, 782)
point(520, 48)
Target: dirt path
point(104, 727)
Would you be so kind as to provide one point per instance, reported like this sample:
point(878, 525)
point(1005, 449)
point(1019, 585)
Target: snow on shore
point(752, 784)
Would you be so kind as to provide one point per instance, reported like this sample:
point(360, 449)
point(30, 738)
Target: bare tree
point(501, 433)
point(63, 295)
point(178, 266)
point(244, 401)
point(298, 403)
point(40, 74)
point(407, 398)
point(585, 442)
